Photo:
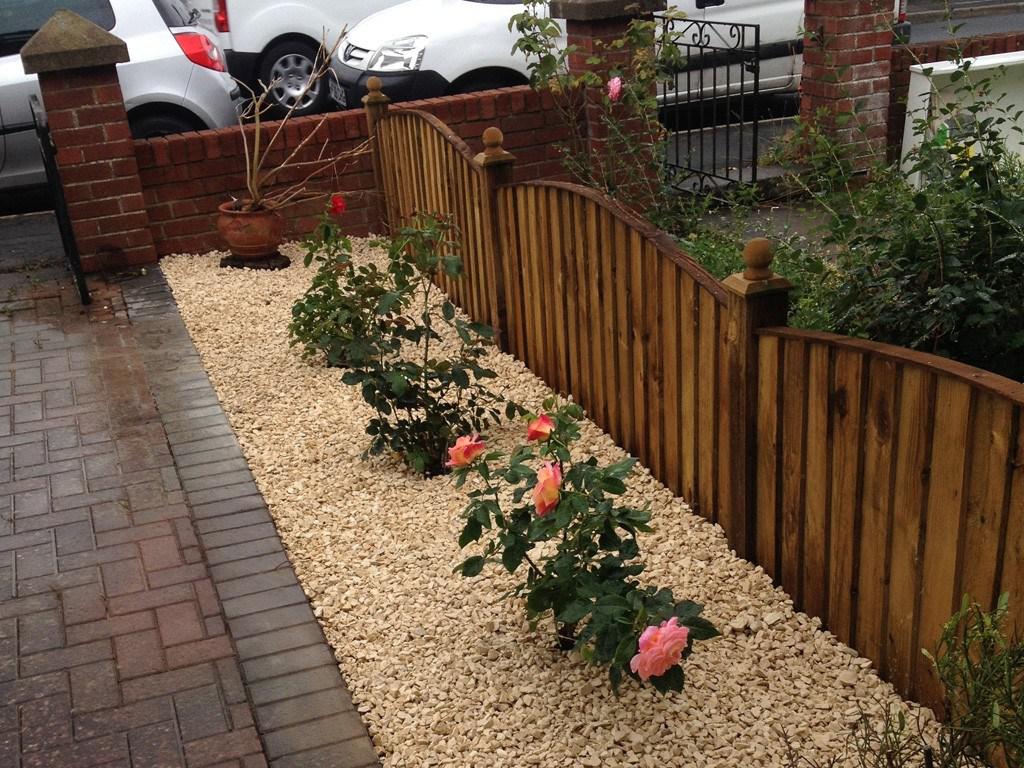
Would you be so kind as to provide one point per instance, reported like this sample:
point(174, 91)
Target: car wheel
point(157, 124)
point(285, 70)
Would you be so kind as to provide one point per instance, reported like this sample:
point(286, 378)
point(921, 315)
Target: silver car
point(175, 81)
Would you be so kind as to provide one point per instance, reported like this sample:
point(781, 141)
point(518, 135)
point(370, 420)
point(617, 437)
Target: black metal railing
point(60, 205)
point(710, 106)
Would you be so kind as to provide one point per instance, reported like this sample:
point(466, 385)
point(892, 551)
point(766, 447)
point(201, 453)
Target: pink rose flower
point(338, 205)
point(661, 648)
point(540, 428)
point(465, 450)
point(615, 89)
point(546, 491)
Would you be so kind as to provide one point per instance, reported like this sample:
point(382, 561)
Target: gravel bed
point(446, 673)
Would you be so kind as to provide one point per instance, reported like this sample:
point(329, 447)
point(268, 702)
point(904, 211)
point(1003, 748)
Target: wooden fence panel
point(914, 504)
point(603, 307)
point(427, 169)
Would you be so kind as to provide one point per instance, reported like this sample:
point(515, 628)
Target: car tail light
point(200, 50)
point(220, 16)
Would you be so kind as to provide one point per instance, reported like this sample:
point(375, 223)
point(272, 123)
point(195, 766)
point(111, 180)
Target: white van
point(426, 48)
point(277, 41)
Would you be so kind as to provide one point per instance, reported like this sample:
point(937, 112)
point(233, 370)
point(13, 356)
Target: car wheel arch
point(487, 77)
point(157, 109)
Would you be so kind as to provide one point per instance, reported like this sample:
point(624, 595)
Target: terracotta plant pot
point(251, 235)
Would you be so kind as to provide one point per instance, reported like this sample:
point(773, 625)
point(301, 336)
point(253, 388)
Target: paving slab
point(148, 612)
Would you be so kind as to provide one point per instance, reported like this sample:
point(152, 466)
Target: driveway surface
point(149, 616)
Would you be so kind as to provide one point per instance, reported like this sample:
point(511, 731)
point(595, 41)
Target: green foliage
point(629, 165)
point(338, 317)
point(422, 399)
point(982, 674)
point(586, 578)
point(931, 256)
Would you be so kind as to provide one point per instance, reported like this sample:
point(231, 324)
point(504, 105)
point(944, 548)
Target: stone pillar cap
point(596, 10)
point(67, 41)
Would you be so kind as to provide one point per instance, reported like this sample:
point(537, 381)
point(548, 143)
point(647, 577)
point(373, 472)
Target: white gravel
point(443, 671)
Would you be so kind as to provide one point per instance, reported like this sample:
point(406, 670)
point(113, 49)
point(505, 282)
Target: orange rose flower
point(540, 428)
point(465, 450)
point(546, 491)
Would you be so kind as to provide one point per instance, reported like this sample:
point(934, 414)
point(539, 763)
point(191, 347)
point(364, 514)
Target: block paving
point(149, 615)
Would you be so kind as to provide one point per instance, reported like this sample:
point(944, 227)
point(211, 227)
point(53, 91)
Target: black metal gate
point(710, 106)
point(60, 204)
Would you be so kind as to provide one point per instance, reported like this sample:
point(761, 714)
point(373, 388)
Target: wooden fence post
point(497, 166)
point(758, 298)
point(375, 103)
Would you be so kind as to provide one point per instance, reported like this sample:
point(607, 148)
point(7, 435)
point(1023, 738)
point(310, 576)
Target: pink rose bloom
point(545, 492)
point(615, 89)
point(661, 648)
point(540, 428)
point(466, 448)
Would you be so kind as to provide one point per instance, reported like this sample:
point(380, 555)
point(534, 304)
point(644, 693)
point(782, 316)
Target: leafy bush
point(932, 257)
point(586, 577)
point(982, 674)
point(339, 316)
point(422, 399)
point(629, 162)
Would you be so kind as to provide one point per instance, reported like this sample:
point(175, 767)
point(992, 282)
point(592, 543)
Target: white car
point(425, 48)
point(175, 81)
point(276, 42)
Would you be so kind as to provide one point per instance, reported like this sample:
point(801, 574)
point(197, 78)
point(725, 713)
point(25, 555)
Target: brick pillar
point(847, 52)
point(591, 26)
point(76, 63)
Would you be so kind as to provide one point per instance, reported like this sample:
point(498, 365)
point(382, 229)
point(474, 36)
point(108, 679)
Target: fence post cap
point(68, 41)
point(374, 95)
point(494, 152)
point(758, 255)
point(758, 277)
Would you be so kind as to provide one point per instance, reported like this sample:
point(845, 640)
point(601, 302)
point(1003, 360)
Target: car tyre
point(285, 68)
point(160, 124)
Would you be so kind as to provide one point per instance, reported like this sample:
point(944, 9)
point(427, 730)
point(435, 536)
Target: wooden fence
point(876, 484)
point(890, 483)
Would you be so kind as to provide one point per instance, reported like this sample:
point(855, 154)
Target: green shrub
point(338, 318)
point(422, 397)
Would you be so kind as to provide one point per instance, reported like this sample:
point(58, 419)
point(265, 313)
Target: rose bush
point(340, 317)
point(425, 389)
point(578, 548)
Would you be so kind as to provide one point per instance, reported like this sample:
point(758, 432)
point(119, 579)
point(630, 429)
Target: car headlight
point(404, 53)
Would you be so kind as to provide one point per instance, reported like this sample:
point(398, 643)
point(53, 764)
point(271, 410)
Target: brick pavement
point(148, 614)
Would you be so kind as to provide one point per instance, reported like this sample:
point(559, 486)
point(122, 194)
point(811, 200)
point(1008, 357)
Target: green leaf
point(460, 377)
point(672, 680)
point(398, 383)
point(613, 485)
point(472, 566)
point(574, 611)
point(512, 556)
point(700, 628)
point(470, 533)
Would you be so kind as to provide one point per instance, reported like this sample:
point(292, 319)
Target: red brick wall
point(846, 71)
point(905, 56)
point(89, 127)
point(184, 178)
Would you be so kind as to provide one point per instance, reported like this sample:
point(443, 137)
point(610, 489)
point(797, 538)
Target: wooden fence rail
point(876, 484)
